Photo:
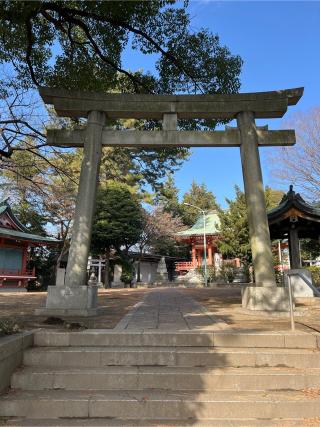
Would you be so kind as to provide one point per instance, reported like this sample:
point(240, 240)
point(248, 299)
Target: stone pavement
point(168, 309)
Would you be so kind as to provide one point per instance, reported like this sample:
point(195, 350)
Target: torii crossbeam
point(74, 297)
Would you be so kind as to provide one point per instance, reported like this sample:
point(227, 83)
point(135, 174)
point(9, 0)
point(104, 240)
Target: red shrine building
point(15, 244)
point(195, 238)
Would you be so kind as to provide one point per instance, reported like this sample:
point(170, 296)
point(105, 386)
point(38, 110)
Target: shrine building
point(194, 237)
point(294, 219)
point(15, 244)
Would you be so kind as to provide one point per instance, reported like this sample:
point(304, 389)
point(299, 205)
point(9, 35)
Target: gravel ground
point(224, 302)
point(114, 304)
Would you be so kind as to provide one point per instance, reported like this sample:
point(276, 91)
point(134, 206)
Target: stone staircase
point(106, 378)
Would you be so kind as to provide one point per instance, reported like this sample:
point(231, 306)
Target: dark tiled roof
point(294, 200)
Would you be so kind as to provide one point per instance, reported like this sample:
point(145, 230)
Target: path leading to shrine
point(168, 309)
point(184, 308)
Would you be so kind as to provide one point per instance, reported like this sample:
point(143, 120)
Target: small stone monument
point(162, 272)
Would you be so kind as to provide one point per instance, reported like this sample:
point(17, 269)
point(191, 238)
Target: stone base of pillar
point(301, 283)
point(70, 301)
point(260, 298)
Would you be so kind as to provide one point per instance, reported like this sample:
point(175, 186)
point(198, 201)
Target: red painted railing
point(184, 266)
point(13, 272)
point(188, 265)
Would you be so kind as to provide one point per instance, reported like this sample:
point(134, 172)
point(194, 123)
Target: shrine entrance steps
point(111, 378)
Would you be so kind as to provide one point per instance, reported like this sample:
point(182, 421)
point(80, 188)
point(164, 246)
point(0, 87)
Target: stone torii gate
point(75, 297)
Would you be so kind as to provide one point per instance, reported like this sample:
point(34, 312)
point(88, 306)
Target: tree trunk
point(106, 270)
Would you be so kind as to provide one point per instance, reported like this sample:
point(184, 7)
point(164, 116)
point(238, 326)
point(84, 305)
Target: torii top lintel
point(219, 106)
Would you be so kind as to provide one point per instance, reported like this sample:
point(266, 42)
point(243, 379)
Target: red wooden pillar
point(210, 254)
point(199, 257)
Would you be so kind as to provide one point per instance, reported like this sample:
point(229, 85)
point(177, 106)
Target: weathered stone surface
point(75, 300)
point(11, 354)
point(169, 138)
point(265, 298)
point(161, 405)
point(60, 278)
point(299, 286)
point(100, 338)
point(255, 200)
point(105, 422)
point(78, 104)
point(76, 272)
point(95, 357)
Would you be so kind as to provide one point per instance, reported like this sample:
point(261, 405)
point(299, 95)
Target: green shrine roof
point(20, 235)
point(15, 229)
point(212, 222)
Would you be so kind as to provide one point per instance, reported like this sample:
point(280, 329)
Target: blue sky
point(280, 45)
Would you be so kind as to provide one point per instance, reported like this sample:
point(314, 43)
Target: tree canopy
point(168, 197)
point(273, 197)
point(199, 196)
point(118, 218)
point(234, 228)
point(82, 45)
point(79, 44)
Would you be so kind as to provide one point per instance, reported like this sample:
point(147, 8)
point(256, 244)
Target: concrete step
point(107, 422)
point(155, 405)
point(179, 339)
point(171, 356)
point(165, 378)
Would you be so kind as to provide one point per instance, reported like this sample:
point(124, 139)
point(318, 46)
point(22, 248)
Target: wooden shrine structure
point(294, 219)
point(15, 242)
point(75, 297)
point(194, 237)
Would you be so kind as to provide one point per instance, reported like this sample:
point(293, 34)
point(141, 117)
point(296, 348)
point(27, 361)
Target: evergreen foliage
point(118, 219)
point(273, 197)
point(310, 248)
point(168, 197)
point(199, 196)
point(234, 229)
point(31, 218)
point(90, 38)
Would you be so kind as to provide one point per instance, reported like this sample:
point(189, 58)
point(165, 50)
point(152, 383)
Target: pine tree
point(199, 196)
point(168, 198)
point(234, 229)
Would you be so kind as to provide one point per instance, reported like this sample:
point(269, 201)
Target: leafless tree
point(300, 164)
point(159, 227)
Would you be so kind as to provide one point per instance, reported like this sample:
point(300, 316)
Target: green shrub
point(8, 327)
point(279, 276)
point(35, 286)
point(127, 273)
point(227, 272)
point(315, 273)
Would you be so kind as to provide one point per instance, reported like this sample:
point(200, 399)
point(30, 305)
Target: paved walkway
point(169, 310)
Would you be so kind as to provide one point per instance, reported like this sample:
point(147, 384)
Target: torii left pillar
point(75, 296)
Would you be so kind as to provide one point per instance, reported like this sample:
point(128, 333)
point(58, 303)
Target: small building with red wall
point(194, 237)
point(15, 243)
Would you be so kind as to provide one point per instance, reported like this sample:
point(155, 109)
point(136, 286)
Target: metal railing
point(291, 296)
point(291, 303)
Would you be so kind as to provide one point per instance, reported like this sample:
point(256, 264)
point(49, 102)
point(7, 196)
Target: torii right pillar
point(265, 295)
